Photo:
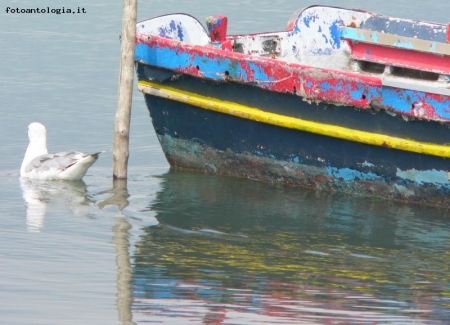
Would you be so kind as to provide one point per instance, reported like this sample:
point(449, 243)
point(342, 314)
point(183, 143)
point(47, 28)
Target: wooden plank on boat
point(392, 40)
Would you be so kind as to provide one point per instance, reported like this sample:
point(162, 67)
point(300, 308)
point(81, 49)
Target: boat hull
point(197, 138)
point(343, 100)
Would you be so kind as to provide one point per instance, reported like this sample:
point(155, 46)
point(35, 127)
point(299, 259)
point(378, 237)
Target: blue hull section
point(195, 138)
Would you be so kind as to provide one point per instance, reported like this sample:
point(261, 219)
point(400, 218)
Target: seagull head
point(36, 132)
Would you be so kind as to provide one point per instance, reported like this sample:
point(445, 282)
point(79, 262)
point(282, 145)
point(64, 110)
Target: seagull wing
point(58, 161)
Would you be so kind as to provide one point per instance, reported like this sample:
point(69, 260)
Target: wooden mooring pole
point(126, 75)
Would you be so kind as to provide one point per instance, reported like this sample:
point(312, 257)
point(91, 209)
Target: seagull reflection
point(38, 194)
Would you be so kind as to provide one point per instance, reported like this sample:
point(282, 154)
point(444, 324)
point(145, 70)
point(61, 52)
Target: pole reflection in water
point(233, 251)
point(119, 196)
point(121, 242)
point(124, 293)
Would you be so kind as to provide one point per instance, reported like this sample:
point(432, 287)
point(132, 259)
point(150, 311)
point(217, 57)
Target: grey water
point(179, 247)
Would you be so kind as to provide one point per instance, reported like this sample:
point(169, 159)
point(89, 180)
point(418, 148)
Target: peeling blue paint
point(352, 34)
point(180, 33)
point(308, 19)
point(400, 100)
point(258, 73)
point(407, 28)
point(172, 25)
point(357, 93)
point(348, 174)
point(425, 176)
point(162, 32)
point(404, 98)
point(327, 86)
point(210, 67)
point(335, 34)
point(326, 51)
point(404, 45)
point(171, 30)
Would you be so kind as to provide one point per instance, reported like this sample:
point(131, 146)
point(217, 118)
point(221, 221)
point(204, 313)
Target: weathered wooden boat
point(343, 100)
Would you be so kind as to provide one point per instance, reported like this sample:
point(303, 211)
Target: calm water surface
point(178, 247)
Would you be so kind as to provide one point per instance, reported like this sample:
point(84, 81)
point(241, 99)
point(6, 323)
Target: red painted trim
point(311, 83)
point(217, 27)
point(305, 79)
point(448, 33)
point(400, 57)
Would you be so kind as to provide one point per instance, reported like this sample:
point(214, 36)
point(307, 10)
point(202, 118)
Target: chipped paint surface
point(392, 50)
point(313, 84)
point(327, 56)
point(217, 27)
point(330, 130)
point(306, 72)
point(175, 27)
point(425, 176)
point(348, 174)
point(394, 40)
point(189, 154)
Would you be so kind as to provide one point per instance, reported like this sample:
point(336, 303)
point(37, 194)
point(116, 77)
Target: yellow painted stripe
point(258, 115)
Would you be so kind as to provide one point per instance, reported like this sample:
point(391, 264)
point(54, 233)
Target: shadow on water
point(229, 250)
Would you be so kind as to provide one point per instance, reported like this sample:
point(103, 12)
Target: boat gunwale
point(252, 113)
point(294, 78)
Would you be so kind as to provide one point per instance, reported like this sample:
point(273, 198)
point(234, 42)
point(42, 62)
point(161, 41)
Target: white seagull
point(39, 164)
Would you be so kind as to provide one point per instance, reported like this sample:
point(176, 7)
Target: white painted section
point(179, 27)
point(313, 41)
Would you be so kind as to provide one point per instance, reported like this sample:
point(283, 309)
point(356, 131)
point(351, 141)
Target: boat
point(342, 100)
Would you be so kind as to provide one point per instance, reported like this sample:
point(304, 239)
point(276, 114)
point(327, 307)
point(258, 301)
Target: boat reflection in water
point(232, 251)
